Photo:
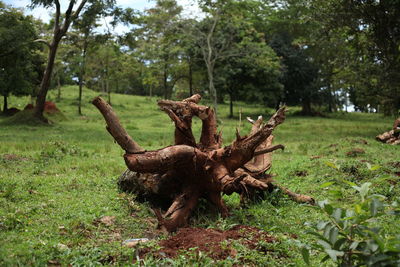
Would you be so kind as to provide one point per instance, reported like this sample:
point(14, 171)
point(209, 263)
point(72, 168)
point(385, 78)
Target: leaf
point(379, 241)
point(337, 215)
point(306, 255)
point(364, 190)
point(372, 246)
point(322, 203)
point(374, 167)
point(321, 237)
point(358, 209)
point(336, 193)
point(349, 183)
point(339, 243)
point(321, 225)
point(327, 230)
point(334, 254)
point(328, 208)
point(354, 245)
point(325, 258)
point(326, 184)
point(375, 206)
point(331, 164)
point(333, 234)
point(325, 244)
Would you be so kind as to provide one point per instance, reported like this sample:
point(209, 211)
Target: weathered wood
point(179, 175)
point(115, 128)
point(391, 137)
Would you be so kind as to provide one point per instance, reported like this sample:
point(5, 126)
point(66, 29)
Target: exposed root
point(187, 171)
point(296, 197)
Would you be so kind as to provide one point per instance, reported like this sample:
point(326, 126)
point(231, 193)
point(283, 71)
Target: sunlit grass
point(57, 181)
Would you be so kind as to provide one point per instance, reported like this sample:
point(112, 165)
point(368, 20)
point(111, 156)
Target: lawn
point(58, 181)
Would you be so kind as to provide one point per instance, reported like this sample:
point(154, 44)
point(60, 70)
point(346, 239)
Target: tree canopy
point(320, 55)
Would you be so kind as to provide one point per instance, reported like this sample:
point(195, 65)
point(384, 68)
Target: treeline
point(319, 54)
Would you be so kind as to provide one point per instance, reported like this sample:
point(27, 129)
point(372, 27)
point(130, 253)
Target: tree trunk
point(81, 74)
point(230, 105)
point(44, 86)
point(5, 104)
point(190, 77)
point(391, 137)
point(306, 107)
point(108, 92)
point(181, 174)
point(80, 95)
point(58, 88)
point(213, 91)
point(165, 82)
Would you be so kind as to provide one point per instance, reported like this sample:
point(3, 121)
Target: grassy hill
point(58, 181)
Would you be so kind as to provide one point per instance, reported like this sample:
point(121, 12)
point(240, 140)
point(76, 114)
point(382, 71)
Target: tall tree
point(61, 26)
point(227, 32)
point(157, 42)
point(82, 36)
point(17, 56)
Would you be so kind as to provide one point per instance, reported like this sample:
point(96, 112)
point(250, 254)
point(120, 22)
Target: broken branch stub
point(180, 174)
point(391, 137)
point(115, 128)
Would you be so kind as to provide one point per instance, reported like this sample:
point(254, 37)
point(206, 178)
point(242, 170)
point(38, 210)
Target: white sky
point(190, 8)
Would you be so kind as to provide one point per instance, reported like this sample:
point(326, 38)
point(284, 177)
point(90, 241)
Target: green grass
point(62, 180)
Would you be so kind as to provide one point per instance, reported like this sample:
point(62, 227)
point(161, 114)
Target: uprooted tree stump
point(393, 136)
point(183, 173)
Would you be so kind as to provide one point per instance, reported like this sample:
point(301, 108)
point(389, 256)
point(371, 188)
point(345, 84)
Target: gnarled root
point(183, 173)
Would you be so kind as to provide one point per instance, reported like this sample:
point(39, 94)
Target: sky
point(190, 8)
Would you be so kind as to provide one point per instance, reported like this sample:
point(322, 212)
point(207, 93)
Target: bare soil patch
point(212, 242)
point(13, 157)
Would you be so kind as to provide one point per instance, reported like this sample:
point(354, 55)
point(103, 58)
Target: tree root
point(181, 174)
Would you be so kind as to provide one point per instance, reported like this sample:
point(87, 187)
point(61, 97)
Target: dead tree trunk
point(181, 174)
point(393, 136)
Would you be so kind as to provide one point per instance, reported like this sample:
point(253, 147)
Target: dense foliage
point(19, 59)
point(321, 55)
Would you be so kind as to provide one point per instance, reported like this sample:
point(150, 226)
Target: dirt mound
point(13, 157)
point(209, 241)
point(49, 107)
point(11, 111)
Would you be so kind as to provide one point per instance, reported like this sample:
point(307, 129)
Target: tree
point(61, 25)
point(104, 63)
point(299, 75)
point(225, 36)
point(361, 41)
point(17, 56)
point(157, 43)
point(82, 36)
point(254, 78)
point(379, 22)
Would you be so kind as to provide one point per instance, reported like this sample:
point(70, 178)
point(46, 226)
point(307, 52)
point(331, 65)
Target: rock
point(131, 243)
point(107, 220)
point(62, 247)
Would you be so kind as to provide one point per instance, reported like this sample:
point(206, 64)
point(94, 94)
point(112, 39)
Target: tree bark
point(230, 105)
point(58, 88)
point(306, 107)
point(44, 86)
point(58, 33)
point(81, 74)
point(5, 104)
point(190, 77)
point(391, 137)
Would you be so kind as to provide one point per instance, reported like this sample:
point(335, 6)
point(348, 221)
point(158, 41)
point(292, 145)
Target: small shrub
point(352, 237)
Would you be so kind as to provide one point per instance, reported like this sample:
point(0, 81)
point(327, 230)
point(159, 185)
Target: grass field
point(57, 181)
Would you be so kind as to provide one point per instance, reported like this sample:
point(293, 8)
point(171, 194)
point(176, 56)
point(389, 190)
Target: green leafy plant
point(352, 236)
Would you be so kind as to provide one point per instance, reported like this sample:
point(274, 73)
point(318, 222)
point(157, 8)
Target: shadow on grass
point(26, 117)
